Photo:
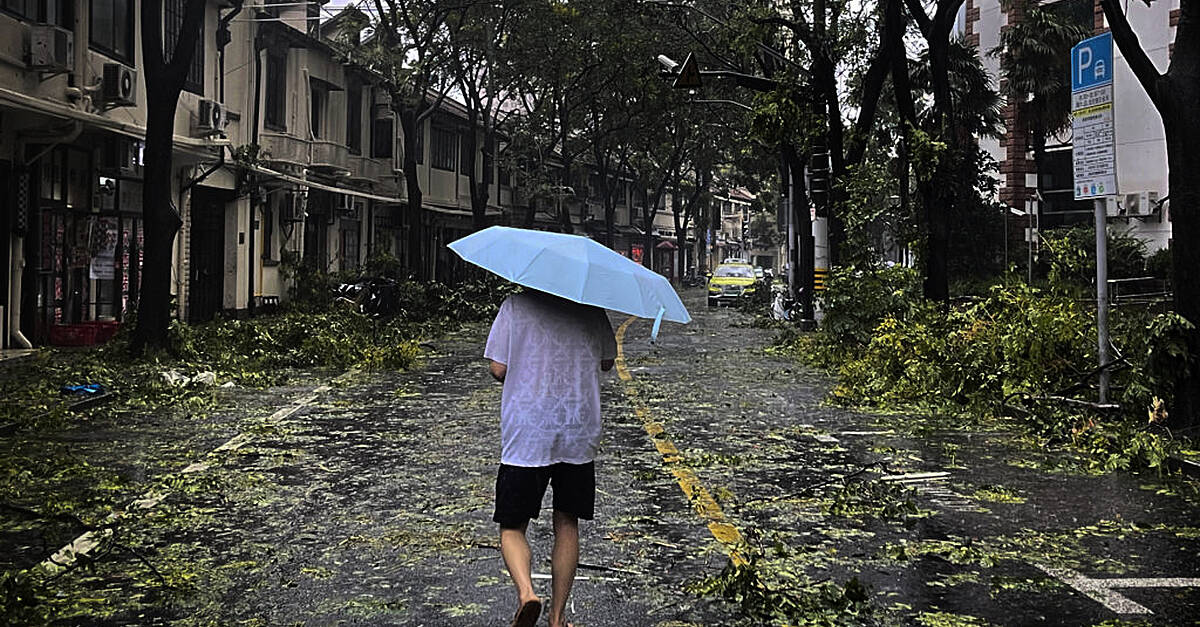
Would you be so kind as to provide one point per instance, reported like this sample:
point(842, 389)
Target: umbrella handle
point(657, 324)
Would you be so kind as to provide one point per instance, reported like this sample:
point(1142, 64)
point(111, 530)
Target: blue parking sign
point(1092, 62)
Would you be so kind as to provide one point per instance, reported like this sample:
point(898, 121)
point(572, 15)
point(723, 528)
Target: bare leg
point(562, 565)
point(517, 556)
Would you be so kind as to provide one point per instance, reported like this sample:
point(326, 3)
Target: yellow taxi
point(731, 282)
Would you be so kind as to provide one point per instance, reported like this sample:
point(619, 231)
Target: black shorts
point(519, 491)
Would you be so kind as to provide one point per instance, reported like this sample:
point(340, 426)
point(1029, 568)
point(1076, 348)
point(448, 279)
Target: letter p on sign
point(1092, 62)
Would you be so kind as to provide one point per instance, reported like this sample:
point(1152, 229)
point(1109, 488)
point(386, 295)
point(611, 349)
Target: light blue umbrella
point(575, 268)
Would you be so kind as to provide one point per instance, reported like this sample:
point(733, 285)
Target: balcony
point(370, 170)
point(280, 148)
point(330, 157)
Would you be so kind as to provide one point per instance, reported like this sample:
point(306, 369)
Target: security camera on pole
point(1095, 162)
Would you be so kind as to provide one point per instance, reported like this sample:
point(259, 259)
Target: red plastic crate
point(72, 334)
point(104, 329)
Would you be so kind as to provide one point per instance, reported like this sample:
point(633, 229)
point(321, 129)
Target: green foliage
point(19, 604)
point(926, 153)
point(856, 300)
point(258, 351)
point(770, 592)
point(764, 231)
point(874, 499)
point(251, 350)
point(383, 264)
point(1070, 254)
point(1159, 264)
point(309, 288)
point(871, 207)
point(1034, 53)
point(1160, 355)
point(784, 115)
point(1017, 351)
point(1014, 341)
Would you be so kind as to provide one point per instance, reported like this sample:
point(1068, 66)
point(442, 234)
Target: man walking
point(548, 353)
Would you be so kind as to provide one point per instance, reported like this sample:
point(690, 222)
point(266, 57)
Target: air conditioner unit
point(1140, 203)
point(349, 207)
point(210, 117)
point(294, 207)
point(121, 157)
point(51, 48)
point(119, 87)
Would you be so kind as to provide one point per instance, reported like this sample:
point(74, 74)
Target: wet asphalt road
point(371, 505)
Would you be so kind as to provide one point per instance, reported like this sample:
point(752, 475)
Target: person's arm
point(498, 370)
point(496, 350)
point(608, 342)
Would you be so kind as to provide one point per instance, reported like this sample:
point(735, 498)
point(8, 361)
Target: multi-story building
point(286, 151)
point(1045, 189)
point(282, 150)
point(72, 121)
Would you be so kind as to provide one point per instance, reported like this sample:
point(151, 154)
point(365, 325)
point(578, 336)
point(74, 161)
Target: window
point(317, 111)
point(27, 9)
point(354, 119)
point(349, 246)
point(57, 12)
point(505, 176)
point(112, 28)
point(622, 193)
point(173, 12)
point(466, 164)
point(275, 116)
point(443, 148)
point(382, 137)
point(267, 225)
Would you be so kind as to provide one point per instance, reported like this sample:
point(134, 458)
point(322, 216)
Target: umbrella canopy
point(575, 268)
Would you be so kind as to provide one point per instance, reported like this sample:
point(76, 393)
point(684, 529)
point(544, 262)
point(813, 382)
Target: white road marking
point(1103, 592)
point(915, 476)
point(577, 577)
point(885, 432)
point(65, 557)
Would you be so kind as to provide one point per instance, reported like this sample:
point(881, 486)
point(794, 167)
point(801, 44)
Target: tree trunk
point(564, 208)
point(161, 223)
point(415, 260)
point(1183, 135)
point(479, 190)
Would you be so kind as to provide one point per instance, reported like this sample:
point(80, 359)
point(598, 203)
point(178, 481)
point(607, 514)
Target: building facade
point(1045, 190)
point(286, 154)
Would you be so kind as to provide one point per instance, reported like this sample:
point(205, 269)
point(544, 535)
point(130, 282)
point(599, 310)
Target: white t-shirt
point(550, 406)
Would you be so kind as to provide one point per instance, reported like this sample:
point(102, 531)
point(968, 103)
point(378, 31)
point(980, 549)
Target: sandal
point(527, 614)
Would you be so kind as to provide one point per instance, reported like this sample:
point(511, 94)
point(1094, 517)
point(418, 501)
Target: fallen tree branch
point(33, 514)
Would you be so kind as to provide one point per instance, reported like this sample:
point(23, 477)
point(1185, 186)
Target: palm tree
point(1034, 57)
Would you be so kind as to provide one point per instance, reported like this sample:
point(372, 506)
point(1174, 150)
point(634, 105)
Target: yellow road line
point(698, 495)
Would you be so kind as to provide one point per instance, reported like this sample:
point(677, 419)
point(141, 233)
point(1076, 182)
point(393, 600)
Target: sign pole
point(1102, 295)
point(1094, 156)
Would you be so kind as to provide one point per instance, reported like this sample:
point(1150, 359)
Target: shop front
point(84, 248)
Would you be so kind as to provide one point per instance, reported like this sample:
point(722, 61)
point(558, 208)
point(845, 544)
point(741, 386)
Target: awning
point(51, 108)
point(329, 188)
point(666, 245)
